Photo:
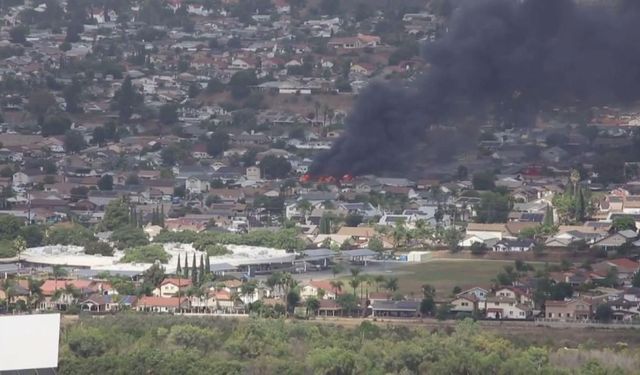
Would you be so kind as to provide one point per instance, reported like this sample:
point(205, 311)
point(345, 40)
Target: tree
point(126, 99)
point(217, 143)
point(624, 223)
point(19, 34)
point(128, 236)
point(55, 125)
point(304, 207)
point(493, 208)
point(483, 181)
point(105, 182)
point(74, 141)
point(168, 114)
point(275, 167)
point(353, 220)
point(463, 173)
point(391, 284)
point(635, 281)
point(72, 94)
point(610, 167)
point(312, 305)
point(214, 86)
point(375, 244)
point(548, 216)
point(19, 246)
point(604, 313)
point(427, 306)
point(452, 238)
point(241, 83)
point(117, 214)
point(40, 102)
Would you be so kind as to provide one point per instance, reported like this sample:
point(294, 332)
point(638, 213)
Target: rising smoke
point(504, 57)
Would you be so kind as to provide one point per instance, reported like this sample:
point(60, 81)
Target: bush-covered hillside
point(142, 344)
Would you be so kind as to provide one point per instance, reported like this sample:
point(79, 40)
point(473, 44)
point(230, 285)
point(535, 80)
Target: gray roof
point(9, 268)
point(359, 253)
point(88, 273)
point(218, 267)
point(395, 305)
point(318, 253)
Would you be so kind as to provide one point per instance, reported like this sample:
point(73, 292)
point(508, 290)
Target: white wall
point(29, 341)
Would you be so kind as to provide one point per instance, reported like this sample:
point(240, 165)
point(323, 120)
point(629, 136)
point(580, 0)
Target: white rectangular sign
point(29, 341)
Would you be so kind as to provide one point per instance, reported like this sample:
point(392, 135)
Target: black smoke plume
point(508, 58)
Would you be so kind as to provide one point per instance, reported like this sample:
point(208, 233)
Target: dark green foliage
point(145, 254)
point(128, 236)
point(274, 167)
point(283, 239)
point(493, 208)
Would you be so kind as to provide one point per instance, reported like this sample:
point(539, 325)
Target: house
point(161, 304)
point(476, 293)
point(197, 184)
point(616, 240)
point(464, 304)
point(171, 286)
point(253, 173)
point(506, 308)
point(361, 235)
point(397, 309)
point(100, 303)
point(199, 151)
point(355, 42)
point(574, 309)
point(321, 289)
point(626, 268)
point(486, 230)
point(514, 246)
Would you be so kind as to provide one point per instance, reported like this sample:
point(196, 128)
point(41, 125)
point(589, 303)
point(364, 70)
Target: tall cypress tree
point(161, 216)
point(179, 268)
point(194, 271)
point(186, 266)
point(207, 265)
point(548, 216)
point(580, 206)
point(201, 270)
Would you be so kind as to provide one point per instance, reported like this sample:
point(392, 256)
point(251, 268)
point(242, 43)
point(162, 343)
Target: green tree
point(168, 114)
point(274, 167)
point(493, 208)
point(483, 181)
point(116, 215)
point(604, 313)
point(241, 83)
point(126, 99)
point(105, 182)
point(127, 236)
point(74, 141)
point(18, 34)
point(40, 102)
point(624, 223)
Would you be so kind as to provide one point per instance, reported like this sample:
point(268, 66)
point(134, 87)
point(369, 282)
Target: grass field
point(444, 275)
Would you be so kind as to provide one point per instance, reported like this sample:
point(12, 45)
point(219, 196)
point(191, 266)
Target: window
point(510, 312)
point(521, 313)
point(559, 315)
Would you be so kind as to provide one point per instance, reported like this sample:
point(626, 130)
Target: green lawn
point(444, 275)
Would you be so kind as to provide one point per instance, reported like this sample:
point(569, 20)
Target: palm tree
point(354, 283)
point(35, 292)
point(337, 286)
point(312, 305)
point(392, 284)
point(305, 207)
point(355, 271)
point(379, 280)
point(336, 269)
point(7, 286)
point(19, 245)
